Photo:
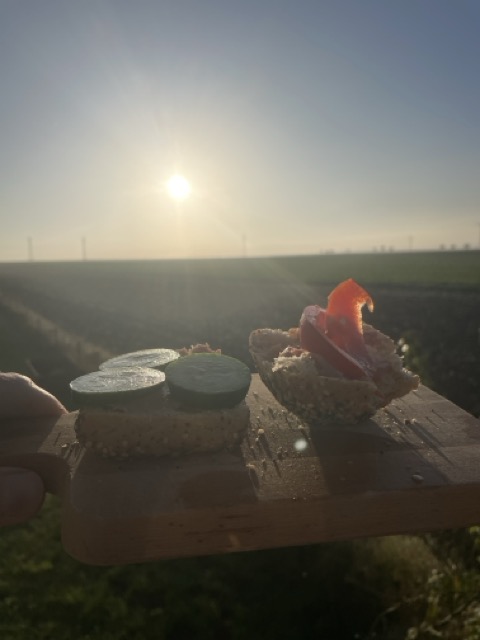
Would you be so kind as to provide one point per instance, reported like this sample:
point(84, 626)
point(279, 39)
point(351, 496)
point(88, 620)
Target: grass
point(414, 268)
point(334, 590)
point(426, 268)
point(422, 268)
point(15, 348)
point(400, 587)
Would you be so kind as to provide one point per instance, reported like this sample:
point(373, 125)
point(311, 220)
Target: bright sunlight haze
point(287, 128)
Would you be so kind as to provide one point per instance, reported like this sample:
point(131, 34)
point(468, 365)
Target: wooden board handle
point(40, 444)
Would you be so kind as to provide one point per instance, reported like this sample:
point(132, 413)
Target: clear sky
point(302, 126)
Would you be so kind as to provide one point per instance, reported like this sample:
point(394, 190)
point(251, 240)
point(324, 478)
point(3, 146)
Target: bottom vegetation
point(399, 587)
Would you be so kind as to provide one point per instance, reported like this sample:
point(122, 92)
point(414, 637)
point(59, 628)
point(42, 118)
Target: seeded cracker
point(333, 368)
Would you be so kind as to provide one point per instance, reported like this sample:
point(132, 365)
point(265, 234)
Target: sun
point(178, 187)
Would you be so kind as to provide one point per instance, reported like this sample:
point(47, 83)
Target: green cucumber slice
point(208, 380)
point(152, 358)
point(115, 385)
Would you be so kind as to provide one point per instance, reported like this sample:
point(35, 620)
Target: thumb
point(21, 495)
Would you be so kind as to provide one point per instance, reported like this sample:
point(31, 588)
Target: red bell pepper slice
point(336, 334)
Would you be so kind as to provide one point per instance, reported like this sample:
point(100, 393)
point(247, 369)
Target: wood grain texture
point(414, 467)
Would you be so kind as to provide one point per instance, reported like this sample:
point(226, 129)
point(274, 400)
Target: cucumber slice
point(153, 358)
point(115, 385)
point(208, 380)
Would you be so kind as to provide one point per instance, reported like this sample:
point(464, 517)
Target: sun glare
point(178, 187)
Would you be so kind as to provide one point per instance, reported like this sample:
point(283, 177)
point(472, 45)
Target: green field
point(415, 268)
point(423, 268)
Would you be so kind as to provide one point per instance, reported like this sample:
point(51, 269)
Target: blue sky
point(303, 127)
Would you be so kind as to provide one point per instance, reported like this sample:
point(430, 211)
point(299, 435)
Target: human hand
point(20, 397)
point(21, 490)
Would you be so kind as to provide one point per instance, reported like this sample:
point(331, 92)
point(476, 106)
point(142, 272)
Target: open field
point(414, 268)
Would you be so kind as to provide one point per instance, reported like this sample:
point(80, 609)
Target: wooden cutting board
point(414, 467)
